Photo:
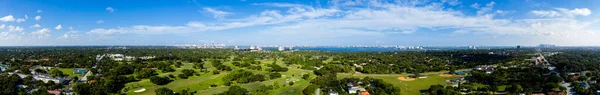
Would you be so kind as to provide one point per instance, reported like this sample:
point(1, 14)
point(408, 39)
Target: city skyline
point(288, 22)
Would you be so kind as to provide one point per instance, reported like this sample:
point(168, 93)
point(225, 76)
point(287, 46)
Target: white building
point(281, 48)
point(331, 92)
point(259, 48)
point(43, 77)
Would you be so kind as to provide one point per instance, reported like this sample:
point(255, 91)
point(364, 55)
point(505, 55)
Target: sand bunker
point(406, 79)
point(140, 90)
point(445, 75)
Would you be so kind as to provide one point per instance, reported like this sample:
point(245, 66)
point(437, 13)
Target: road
point(563, 83)
point(89, 73)
point(567, 85)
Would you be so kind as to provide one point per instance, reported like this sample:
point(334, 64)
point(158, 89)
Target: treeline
point(576, 60)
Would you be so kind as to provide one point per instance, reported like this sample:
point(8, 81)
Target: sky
point(300, 22)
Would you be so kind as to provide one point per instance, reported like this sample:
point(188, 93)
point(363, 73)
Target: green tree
point(274, 75)
point(159, 80)
point(515, 88)
point(56, 73)
point(182, 76)
point(188, 72)
point(235, 90)
point(142, 74)
point(164, 91)
point(310, 89)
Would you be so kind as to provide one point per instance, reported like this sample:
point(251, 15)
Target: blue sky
point(299, 22)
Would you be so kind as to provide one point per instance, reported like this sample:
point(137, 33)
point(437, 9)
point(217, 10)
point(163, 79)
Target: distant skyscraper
point(472, 47)
point(281, 48)
point(259, 48)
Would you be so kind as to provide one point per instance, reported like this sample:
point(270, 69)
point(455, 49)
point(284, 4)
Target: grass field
point(202, 83)
point(407, 87)
point(69, 71)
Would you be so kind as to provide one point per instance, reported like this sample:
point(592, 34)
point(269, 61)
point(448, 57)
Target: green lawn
point(407, 87)
point(202, 83)
point(69, 71)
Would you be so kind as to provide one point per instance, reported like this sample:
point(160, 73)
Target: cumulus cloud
point(58, 27)
point(486, 8)
point(110, 9)
point(279, 4)
point(42, 33)
point(8, 36)
point(15, 28)
point(39, 11)
point(2, 26)
point(381, 19)
point(562, 12)
point(8, 18)
point(72, 34)
point(36, 26)
point(26, 17)
point(19, 20)
point(216, 13)
point(100, 21)
point(545, 13)
point(38, 18)
point(451, 2)
point(475, 5)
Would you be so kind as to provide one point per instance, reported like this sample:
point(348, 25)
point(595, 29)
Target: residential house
point(3, 67)
point(363, 93)
point(331, 92)
point(54, 92)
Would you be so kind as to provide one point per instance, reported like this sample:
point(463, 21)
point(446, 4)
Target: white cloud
point(15, 28)
point(382, 19)
point(475, 5)
point(216, 13)
point(2, 26)
point(451, 2)
point(19, 20)
point(279, 4)
point(38, 18)
point(70, 28)
point(576, 11)
point(545, 13)
point(100, 21)
point(110, 9)
point(562, 12)
point(26, 17)
point(9, 37)
point(36, 26)
point(8, 18)
point(486, 8)
point(39, 11)
point(72, 34)
point(58, 27)
point(42, 33)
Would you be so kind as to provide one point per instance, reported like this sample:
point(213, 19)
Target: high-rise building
point(472, 47)
point(281, 48)
point(259, 48)
point(252, 47)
